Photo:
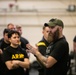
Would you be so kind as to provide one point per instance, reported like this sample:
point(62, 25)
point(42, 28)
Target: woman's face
point(15, 39)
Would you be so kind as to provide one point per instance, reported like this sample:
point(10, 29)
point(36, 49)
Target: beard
point(52, 37)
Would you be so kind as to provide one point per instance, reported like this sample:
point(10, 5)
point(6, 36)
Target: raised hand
point(32, 49)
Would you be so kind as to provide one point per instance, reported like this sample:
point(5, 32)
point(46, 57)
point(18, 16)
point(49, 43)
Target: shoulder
point(1, 40)
point(61, 43)
point(41, 43)
point(24, 39)
point(7, 48)
point(21, 49)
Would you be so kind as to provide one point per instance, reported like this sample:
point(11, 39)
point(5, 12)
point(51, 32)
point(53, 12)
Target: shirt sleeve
point(42, 47)
point(6, 56)
point(25, 54)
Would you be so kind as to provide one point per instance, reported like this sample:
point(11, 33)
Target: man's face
point(46, 31)
point(5, 36)
point(12, 27)
point(54, 34)
point(19, 30)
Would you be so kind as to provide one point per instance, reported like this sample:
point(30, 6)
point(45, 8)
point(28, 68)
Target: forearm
point(41, 59)
point(24, 64)
point(10, 65)
point(42, 64)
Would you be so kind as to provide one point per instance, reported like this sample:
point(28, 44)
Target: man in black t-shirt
point(57, 53)
point(42, 46)
point(3, 44)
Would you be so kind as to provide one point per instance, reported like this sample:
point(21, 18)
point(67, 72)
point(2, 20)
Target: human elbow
point(9, 67)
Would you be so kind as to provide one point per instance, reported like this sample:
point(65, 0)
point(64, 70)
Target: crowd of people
point(51, 52)
point(16, 44)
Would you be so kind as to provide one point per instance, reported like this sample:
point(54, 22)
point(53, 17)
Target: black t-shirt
point(24, 41)
point(3, 46)
point(14, 54)
point(42, 46)
point(60, 51)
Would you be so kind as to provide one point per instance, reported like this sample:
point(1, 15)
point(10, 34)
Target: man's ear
point(60, 28)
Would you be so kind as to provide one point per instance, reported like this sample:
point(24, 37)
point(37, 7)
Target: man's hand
point(32, 49)
point(15, 63)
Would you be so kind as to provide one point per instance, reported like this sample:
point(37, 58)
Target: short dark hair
point(13, 32)
point(6, 31)
point(51, 20)
point(45, 26)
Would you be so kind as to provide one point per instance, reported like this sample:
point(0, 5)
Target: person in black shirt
point(10, 26)
point(23, 42)
point(57, 53)
point(15, 57)
point(3, 44)
point(42, 46)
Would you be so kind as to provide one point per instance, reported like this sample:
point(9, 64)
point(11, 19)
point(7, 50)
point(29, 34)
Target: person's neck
point(14, 46)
